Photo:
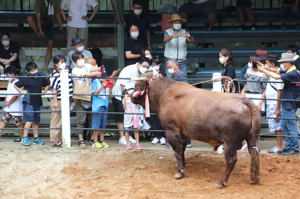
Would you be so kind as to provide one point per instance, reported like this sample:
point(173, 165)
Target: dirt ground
point(42, 172)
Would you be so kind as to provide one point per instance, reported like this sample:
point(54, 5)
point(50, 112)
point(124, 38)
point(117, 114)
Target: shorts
point(48, 27)
point(118, 107)
point(31, 117)
point(203, 9)
point(274, 124)
point(17, 120)
point(99, 119)
point(244, 3)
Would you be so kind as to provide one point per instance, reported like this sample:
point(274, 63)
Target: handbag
point(82, 86)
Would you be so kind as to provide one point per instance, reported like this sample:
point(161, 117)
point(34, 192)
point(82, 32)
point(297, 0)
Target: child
point(32, 84)
point(132, 121)
point(55, 133)
point(13, 103)
point(99, 106)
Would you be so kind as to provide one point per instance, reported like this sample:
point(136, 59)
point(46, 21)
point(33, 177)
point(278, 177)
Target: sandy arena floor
point(43, 172)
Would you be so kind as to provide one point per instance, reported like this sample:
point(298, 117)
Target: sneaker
point(26, 141)
point(122, 140)
point(131, 140)
point(253, 28)
point(19, 139)
point(189, 145)
point(220, 149)
point(155, 141)
point(97, 145)
point(138, 147)
point(289, 152)
point(37, 140)
point(104, 144)
point(162, 141)
point(128, 146)
point(56, 145)
point(282, 151)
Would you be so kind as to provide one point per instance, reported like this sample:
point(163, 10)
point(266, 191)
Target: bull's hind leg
point(178, 144)
point(231, 158)
point(254, 153)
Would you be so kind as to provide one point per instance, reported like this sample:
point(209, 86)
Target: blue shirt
point(290, 90)
point(179, 76)
point(98, 100)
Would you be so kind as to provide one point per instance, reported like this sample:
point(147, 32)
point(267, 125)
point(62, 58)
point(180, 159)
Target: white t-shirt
point(79, 72)
point(18, 104)
point(77, 10)
point(130, 71)
point(271, 93)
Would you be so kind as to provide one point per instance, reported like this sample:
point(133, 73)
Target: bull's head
point(140, 90)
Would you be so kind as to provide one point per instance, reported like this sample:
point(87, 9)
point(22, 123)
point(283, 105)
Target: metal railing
point(105, 5)
point(66, 109)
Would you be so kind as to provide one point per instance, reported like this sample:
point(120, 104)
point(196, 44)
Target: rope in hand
point(228, 84)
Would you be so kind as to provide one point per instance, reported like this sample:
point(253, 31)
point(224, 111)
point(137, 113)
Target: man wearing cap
point(288, 74)
point(175, 43)
point(77, 19)
point(78, 46)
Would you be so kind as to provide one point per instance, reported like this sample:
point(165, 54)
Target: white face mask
point(148, 56)
point(250, 64)
point(80, 49)
point(134, 34)
point(282, 67)
point(143, 70)
point(137, 11)
point(63, 66)
point(155, 68)
point(176, 26)
point(171, 71)
point(130, 91)
point(5, 43)
point(80, 62)
point(222, 60)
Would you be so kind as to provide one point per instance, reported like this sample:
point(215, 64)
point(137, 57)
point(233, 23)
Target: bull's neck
point(156, 91)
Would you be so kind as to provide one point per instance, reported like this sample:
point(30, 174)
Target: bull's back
point(204, 115)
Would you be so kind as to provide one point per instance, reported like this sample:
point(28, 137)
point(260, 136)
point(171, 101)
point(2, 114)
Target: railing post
point(65, 108)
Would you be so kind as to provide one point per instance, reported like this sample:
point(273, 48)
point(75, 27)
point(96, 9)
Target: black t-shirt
point(228, 71)
point(33, 84)
point(290, 90)
point(143, 23)
point(7, 54)
point(136, 47)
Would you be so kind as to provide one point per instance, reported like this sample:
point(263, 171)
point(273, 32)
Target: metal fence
point(65, 109)
point(105, 5)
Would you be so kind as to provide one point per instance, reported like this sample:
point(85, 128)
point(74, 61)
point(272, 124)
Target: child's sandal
point(81, 143)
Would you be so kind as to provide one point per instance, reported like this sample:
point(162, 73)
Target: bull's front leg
point(179, 145)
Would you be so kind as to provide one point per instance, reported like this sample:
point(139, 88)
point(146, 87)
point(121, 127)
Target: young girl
point(132, 121)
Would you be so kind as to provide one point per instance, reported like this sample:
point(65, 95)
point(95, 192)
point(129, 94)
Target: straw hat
point(286, 57)
point(177, 17)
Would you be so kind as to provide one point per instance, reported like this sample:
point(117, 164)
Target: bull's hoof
point(220, 185)
point(178, 175)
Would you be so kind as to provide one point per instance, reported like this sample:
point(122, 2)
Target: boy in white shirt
point(13, 103)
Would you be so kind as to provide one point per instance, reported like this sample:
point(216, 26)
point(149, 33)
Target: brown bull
point(216, 118)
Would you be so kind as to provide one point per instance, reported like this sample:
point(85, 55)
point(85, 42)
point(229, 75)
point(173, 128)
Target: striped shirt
point(55, 83)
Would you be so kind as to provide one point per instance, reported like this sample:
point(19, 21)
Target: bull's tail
point(252, 141)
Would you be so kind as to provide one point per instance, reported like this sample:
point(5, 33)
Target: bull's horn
point(139, 79)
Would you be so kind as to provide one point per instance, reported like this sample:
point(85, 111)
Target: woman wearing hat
point(175, 42)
